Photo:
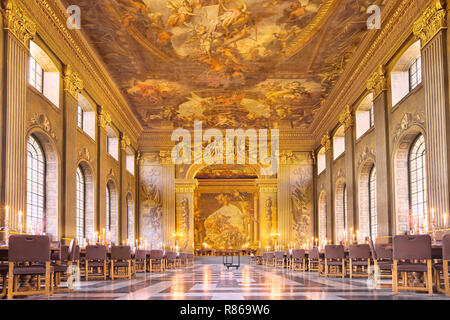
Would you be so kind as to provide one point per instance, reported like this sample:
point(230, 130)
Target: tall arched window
point(345, 207)
point(108, 209)
point(130, 219)
point(418, 183)
point(322, 217)
point(373, 221)
point(81, 205)
point(36, 166)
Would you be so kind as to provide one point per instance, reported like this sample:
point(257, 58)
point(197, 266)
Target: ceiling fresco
point(229, 63)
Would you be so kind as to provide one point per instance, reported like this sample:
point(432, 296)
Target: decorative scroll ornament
point(15, 20)
point(287, 157)
point(125, 143)
point(346, 118)
point(377, 82)
point(430, 23)
point(84, 154)
point(41, 121)
point(165, 157)
point(104, 119)
point(367, 154)
point(72, 82)
point(407, 122)
point(326, 142)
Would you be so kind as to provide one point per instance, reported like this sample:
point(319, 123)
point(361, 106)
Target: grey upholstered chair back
point(359, 251)
point(412, 247)
point(96, 252)
point(334, 252)
point(120, 253)
point(27, 248)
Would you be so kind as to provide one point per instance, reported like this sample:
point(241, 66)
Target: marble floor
point(207, 280)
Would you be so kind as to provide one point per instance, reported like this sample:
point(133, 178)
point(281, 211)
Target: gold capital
point(430, 23)
point(377, 82)
point(104, 119)
point(72, 82)
point(326, 142)
point(346, 118)
point(125, 142)
point(165, 157)
point(15, 20)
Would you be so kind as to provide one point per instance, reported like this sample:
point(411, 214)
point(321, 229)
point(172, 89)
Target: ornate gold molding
point(430, 23)
point(346, 117)
point(125, 143)
point(287, 157)
point(72, 82)
point(104, 119)
point(377, 82)
point(41, 121)
point(326, 142)
point(84, 154)
point(15, 20)
point(165, 157)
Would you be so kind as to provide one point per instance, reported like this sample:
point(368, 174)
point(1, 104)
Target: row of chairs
point(409, 256)
point(30, 256)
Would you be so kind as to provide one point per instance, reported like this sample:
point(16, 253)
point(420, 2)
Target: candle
point(20, 222)
point(445, 220)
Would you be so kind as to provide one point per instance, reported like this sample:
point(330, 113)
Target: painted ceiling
point(228, 63)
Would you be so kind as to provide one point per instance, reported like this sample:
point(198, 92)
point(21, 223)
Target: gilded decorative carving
point(84, 154)
point(326, 142)
point(72, 82)
point(125, 143)
point(41, 121)
point(407, 122)
point(366, 155)
point(104, 119)
point(15, 20)
point(165, 157)
point(377, 82)
point(287, 157)
point(431, 22)
point(346, 118)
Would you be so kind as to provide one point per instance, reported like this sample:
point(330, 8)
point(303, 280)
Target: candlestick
point(20, 222)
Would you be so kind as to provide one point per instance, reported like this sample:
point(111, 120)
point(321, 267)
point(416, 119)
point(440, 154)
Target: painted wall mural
point(223, 220)
point(228, 63)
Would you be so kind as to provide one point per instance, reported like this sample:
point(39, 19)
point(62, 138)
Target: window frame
point(417, 145)
point(373, 212)
point(34, 76)
point(415, 77)
point(81, 174)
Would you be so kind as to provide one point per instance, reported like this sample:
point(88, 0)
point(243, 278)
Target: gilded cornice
point(16, 21)
point(125, 142)
point(72, 82)
point(430, 23)
point(346, 118)
point(104, 119)
point(326, 142)
point(377, 82)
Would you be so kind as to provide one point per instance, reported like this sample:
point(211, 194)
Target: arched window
point(81, 205)
point(108, 208)
point(345, 207)
point(322, 217)
point(373, 222)
point(36, 166)
point(418, 183)
point(130, 219)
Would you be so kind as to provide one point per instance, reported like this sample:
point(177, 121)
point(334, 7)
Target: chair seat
point(95, 263)
point(385, 265)
point(359, 262)
point(59, 267)
point(412, 267)
point(333, 263)
point(34, 270)
point(120, 264)
point(139, 262)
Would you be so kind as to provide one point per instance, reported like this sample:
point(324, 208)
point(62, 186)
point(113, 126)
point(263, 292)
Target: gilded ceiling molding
point(346, 117)
point(431, 22)
point(104, 119)
point(15, 20)
point(377, 82)
point(326, 142)
point(125, 143)
point(72, 82)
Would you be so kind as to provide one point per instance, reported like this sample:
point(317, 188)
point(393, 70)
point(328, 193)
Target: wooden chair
point(120, 259)
point(412, 254)
point(60, 268)
point(29, 255)
point(359, 259)
point(270, 259)
point(170, 260)
point(140, 260)
point(156, 258)
point(382, 264)
point(4, 272)
point(298, 260)
point(95, 260)
point(334, 261)
point(314, 260)
point(280, 261)
point(441, 268)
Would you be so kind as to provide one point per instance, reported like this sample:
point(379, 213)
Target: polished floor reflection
point(207, 281)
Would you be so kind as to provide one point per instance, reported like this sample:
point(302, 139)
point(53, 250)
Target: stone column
point(137, 201)
point(346, 119)
point(104, 120)
point(326, 143)
point(184, 218)
point(267, 210)
point(18, 30)
point(432, 31)
point(72, 86)
point(123, 205)
point(377, 84)
point(284, 227)
point(168, 196)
